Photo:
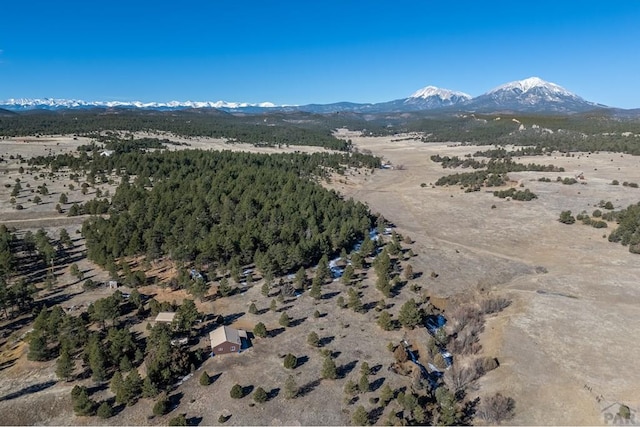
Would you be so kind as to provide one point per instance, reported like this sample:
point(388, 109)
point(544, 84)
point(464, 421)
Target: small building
point(112, 284)
point(226, 339)
point(165, 317)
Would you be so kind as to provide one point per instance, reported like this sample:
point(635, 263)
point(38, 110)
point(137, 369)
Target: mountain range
point(531, 95)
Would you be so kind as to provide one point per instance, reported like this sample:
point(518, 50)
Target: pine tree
point(161, 407)
point(329, 370)
point(316, 290)
point(133, 387)
point(290, 361)
point(284, 319)
point(236, 391)
point(301, 278)
point(363, 384)
point(97, 360)
point(365, 369)
point(64, 364)
point(117, 387)
point(313, 340)
point(205, 379)
point(259, 395)
point(82, 404)
point(260, 330)
point(354, 301)
point(347, 275)
point(350, 388)
point(384, 321)
point(290, 388)
point(410, 315)
point(265, 289)
point(360, 417)
point(38, 350)
point(105, 410)
point(386, 394)
point(149, 388)
point(253, 309)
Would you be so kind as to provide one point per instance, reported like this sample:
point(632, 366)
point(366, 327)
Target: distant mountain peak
point(526, 85)
point(443, 94)
point(55, 103)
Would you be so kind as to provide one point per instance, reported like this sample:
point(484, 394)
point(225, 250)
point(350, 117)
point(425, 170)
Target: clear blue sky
point(302, 52)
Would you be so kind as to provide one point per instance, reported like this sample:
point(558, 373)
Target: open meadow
point(565, 345)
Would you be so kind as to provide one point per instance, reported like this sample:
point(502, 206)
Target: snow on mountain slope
point(531, 95)
point(53, 103)
point(443, 94)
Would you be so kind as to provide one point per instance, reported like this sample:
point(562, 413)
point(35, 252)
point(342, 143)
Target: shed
point(165, 317)
point(226, 339)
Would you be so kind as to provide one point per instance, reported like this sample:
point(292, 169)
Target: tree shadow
point(97, 388)
point(369, 306)
point(345, 369)
point(246, 390)
point(174, 400)
point(284, 308)
point(214, 378)
point(297, 322)
point(194, 421)
point(262, 311)
point(376, 384)
point(325, 341)
point(329, 295)
point(375, 414)
point(308, 387)
point(395, 291)
point(273, 393)
point(28, 390)
point(275, 332)
point(469, 411)
point(301, 361)
point(375, 369)
point(7, 364)
point(233, 317)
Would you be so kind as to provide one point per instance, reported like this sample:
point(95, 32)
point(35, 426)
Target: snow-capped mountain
point(431, 97)
point(56, 104)
point(531, 95)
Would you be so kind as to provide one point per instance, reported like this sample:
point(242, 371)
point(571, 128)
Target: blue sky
point(314, 52)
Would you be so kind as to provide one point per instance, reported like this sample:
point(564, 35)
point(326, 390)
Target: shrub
point(290, 361)
point(180, 420)
point(566, 217)
point(313, 340)
point(161, 407)
point(496, 409)
point(237, 392)
point(260, 395)
point(205, 379)
point(290, 388)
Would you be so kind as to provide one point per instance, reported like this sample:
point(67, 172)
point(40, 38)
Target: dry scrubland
point(566, 345)
point(571, 335)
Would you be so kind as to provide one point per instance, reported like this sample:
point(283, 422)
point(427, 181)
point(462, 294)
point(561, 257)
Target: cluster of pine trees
point(226, 207)
point(248, 129)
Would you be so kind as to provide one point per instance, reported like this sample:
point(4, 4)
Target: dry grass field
point(566, 345)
